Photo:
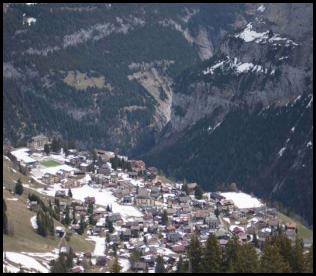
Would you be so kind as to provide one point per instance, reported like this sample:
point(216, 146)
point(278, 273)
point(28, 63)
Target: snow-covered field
point(103, 198)
point(22, 155)
point(41, 170)
point(99, 245)
point(242, 200)
point(24, 260)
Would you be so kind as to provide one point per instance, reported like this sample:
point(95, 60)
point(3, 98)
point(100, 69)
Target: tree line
point(278, 256)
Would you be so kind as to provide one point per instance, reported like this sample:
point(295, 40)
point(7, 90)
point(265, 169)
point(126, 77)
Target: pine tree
point(82, 225)
point(246, 259)
point(110, 226)
point(185, 188)
point(272, 261)
point(46, 149)
point(115, 268)
point(181, 266)
point(198, 192)
point(164, 219)
point(41, 223)
point(194, 254)
point(59, 265)
point(67, 216)
point(69, 258)
point(308, 261)
point(69, 193)
point(297, 262)
point(212, 256)
point(18, 187)
point(230, 255)
point(160, 268)
point(90, 208)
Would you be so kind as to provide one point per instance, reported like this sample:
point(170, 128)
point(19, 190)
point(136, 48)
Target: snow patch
point(34, 222)
point(242, 200)
point(262, 8)
point(99, 245)
point(281, 151)
point(25, 261)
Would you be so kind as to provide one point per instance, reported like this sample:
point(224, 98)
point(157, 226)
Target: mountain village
point(128, 207)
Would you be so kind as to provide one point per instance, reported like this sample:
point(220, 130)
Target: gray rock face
point(264, 63)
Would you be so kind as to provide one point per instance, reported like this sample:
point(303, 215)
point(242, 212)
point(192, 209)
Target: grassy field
point(24, 237)
point(50, 163)
point(303, 231)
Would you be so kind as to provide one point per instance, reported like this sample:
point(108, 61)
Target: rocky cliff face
point(262, 62)
point(245, 114)
point(102, 74)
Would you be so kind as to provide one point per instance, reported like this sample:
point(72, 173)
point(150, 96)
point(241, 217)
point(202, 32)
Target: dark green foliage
point(194, 254)
point(182, 266)
point(45, 223)
point(198, 192)
point(110, 226)
point(185, 188)
point(309, 261)
point(18, 187)
point(56, 144)
point(246, 259)
point(69, 193)
point(46, 149)
point(212, 259)
point(117, 162)
point(67, 217)
point(164, 219)
point(115, 268)
point(63, 263)
point(160, 268)
point(244, 149)
point(272, 261)
point(82, 225)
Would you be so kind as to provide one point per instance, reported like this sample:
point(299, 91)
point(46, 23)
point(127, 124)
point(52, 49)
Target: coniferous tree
point(110, 226)
point(82, 225)
point(59, 265)
point(160, 268)
point(69, 258)
point(308, 261)
point(69, 193)
point(18, 187)
point(164, 219)
point(185, 188)
point(41, 223)
point(272, 261)
point(297, 262)
point(230, 255)
point(46, 149)
point(115, 268)
point(194, 254)
point(181, 266)
point(212, 256)
point(198, 192)
point(246, 259)
point(67, 216)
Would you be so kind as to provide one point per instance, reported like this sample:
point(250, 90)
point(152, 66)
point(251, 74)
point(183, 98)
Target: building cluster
point(170, 214)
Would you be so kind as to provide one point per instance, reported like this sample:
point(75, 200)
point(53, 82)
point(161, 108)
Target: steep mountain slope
point(218, 132)
point(267, 151)
point(101, 74)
